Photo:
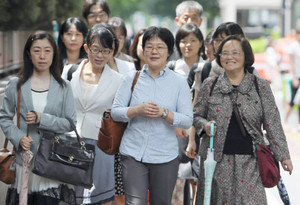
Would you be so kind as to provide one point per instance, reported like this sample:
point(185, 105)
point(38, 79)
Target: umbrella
point(209, 168)
point(283, 192)
point(26, 157)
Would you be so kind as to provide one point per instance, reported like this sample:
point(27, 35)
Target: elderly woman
point(160, 102)
point(236, 178)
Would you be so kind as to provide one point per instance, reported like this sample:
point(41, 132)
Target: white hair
point(188, 5)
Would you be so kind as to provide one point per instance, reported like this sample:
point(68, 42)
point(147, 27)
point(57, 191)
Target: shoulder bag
point(111, 132)
point(268, 166)
point(7, 158)
point(65, 158)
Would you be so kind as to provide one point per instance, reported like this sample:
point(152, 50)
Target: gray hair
point(188, 5)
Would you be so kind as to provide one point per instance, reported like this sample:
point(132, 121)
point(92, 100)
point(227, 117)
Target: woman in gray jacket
point(45, 103)
point(236, 178)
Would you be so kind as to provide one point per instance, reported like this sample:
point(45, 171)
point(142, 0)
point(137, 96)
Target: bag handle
point(18, 117)
point(74, 129)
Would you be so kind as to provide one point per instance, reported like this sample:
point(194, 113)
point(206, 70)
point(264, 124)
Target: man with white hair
point(189, 12)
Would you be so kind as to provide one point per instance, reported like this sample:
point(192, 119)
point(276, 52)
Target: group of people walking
point(89, 72)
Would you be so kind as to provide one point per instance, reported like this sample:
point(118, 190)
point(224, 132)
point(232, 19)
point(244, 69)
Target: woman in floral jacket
point(236, 178)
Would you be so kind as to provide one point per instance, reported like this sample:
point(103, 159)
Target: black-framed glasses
point(104, 52)
point(159, 49)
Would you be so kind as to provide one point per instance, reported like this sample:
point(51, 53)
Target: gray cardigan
point(60, 104)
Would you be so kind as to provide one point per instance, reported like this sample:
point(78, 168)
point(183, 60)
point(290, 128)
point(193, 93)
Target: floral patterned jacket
point(254, 111)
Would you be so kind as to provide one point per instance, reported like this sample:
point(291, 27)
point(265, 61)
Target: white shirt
point(294, 50)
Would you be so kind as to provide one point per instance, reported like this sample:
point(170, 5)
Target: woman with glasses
point(95, 11)
point(71, 37)
point(94, 86)
point(236, 179)
point(160, 102)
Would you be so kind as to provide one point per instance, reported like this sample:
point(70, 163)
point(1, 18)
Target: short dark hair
point(27, 70)
point(163, 33)
point(86, 9)
point(80, 26)
point(247, 49)
point(102, 33)
point(133, 49)
point(229, 28)
point(186, 30)
point(116, 22)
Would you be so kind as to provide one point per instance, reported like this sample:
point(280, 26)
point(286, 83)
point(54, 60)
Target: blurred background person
point(122, 66)
point(294, 55)
point(189, 12)
point(190, 45)
point(209, 47)
point(71, 38)
point(136, 50)
point(95, 11)
point(119, 27)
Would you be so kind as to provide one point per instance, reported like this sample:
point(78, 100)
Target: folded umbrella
point(209, 168)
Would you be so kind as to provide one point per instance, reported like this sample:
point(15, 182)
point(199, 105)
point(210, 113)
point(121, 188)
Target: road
point(293, 138)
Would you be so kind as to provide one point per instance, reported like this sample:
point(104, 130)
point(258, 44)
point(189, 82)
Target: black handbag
point(65, 158)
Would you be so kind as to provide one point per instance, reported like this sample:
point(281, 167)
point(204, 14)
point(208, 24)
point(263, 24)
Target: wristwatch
point(165, 113)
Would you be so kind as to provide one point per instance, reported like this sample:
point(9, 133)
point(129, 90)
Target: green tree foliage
point(39, 14)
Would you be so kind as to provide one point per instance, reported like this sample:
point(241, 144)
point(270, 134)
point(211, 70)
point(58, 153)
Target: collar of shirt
point(161, 73)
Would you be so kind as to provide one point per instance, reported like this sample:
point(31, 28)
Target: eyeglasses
point(104, 52)
point(227, 54)
point(97, 15)
point(159, 49)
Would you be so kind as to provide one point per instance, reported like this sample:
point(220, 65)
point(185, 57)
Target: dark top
point(236, 142)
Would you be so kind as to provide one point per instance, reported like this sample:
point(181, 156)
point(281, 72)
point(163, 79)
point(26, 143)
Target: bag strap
point(235, 109)
point(136, 77)
point(213, 86)
point(71, 71)
point(18, 117)
point(205, 71)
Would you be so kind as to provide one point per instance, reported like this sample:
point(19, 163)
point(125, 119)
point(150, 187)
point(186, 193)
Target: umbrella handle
point(212, 126)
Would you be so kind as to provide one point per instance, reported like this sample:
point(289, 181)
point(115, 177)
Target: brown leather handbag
point(7, 174)
point(111, 132)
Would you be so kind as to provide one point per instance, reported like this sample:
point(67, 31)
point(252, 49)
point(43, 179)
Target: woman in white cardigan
point(94, 85)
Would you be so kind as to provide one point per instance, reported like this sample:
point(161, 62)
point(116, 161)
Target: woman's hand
point(191, 149)
point(287, 165)
point(150, 109)
point(33, 117)
point(26, 142)
point(181, 133)
point(207, 128)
